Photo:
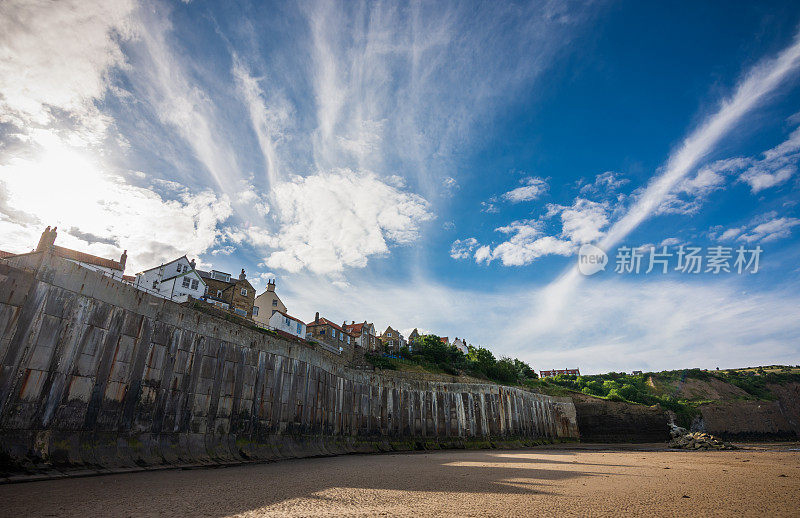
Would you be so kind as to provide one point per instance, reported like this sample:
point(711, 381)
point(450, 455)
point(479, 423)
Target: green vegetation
point(663, 388)
point(434, 355)
point(754, 382)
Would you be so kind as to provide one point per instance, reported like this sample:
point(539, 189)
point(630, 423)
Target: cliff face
point(756, 420)
point(95, 373)
point(601, 421)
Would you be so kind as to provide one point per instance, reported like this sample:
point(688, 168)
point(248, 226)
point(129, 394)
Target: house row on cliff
point(180, 280)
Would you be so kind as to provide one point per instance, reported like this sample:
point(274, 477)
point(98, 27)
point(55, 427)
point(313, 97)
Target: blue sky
point(428, 164)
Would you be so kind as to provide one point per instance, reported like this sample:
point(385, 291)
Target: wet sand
point(579, 480)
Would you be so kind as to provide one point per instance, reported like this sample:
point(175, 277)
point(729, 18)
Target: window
point(240, 312)
point(244, 292)
point(219, 293)
point(274, 303)
point(179, 269)
point(299, 328)
point(348, 339)
point(186, 282)
point(195, 283)
point(288, 322)
point(255, 311)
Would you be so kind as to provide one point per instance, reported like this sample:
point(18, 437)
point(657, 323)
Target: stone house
point(363, 334)
point(235, 295)
point(392, 339)
point(267, 304)
point(108, 267)
point(323, 330)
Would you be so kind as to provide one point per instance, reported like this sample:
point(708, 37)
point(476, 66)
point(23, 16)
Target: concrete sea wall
point(96, 374)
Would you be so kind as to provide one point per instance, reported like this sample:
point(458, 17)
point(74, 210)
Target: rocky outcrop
point(699, 441)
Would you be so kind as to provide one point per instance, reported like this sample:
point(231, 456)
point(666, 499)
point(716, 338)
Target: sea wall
point(600, 420)
point(96, 374)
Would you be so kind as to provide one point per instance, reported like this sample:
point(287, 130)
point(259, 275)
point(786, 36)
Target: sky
point(432, 165)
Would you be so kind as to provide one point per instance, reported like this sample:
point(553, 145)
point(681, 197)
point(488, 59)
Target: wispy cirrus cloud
point(761, 229)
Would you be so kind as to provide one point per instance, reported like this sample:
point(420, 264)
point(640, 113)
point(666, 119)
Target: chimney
point(192, 263)
point(316, 318)
point(271, 285)
point(53, 234)
point(123, 259)
point(242, 275)
point(43, 240)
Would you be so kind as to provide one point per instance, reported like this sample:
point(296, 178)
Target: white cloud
point(489, 207)
point(55, 61)
point(762, 229)
point(583, 221)
point(691, 193)
point(462, 248)
point(604, 184)
point(533, 187)
point(450, 185)
point(64, 186)
point(525, 244)
point(778, 165)
point(270, 115)
point(670, 241)
point(337, 220)
point(224, 250)
point(163, 82)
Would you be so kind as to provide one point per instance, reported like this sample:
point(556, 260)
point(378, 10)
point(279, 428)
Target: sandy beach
point(578, 480)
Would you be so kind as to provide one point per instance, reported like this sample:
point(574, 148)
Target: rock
point(696, 441)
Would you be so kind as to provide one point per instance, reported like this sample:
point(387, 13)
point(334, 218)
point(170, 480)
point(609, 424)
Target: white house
point(288, 324)
point(176, 280)
point(460, 344)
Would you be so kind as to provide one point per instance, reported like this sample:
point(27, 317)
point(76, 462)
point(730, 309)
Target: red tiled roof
point(445, 339)
point(4, 254)
point(83, 257)
point(355, 329)
point(326, 322)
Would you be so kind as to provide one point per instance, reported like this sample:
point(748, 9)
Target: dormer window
point(244, 292)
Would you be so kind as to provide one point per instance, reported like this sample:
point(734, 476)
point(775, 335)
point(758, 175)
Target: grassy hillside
point(681, 391)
